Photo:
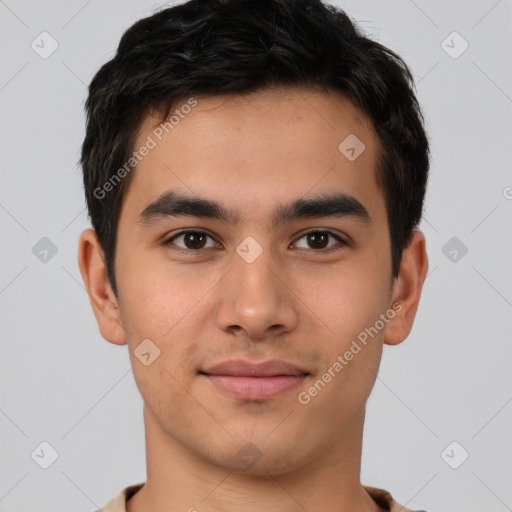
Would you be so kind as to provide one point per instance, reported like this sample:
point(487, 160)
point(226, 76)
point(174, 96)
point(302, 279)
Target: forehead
point(254, 150)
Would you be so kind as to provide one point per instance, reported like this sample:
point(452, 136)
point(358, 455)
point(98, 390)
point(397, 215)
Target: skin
point(295, 302)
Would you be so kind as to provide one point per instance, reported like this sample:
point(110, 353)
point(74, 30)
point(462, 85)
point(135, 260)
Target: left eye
point(319, 240)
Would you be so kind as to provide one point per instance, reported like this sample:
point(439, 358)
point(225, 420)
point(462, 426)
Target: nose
point(256, 299)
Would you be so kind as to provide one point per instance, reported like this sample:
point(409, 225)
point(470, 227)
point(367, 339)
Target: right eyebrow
point(173, 204)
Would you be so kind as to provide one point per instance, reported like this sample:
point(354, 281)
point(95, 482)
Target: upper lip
point(240, 367)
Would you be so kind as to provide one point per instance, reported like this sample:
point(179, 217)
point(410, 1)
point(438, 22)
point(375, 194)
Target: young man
point(255, 174)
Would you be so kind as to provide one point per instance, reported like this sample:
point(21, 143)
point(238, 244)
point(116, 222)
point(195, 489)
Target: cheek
point(158, 297)
point(166, 306)
point(345, 299)
point(164, 393)
point(349, 301)
point(349, 304)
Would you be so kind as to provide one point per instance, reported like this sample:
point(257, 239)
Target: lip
point(241, 368)
point(254, 381)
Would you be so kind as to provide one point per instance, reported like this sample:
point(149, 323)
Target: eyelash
point(169, 241)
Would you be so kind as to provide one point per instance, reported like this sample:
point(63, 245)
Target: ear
point(103, 301)
point(406, 290)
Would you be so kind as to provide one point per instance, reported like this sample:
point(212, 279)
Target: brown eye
point(192, 240)
point(317, 240)
point(320, 240)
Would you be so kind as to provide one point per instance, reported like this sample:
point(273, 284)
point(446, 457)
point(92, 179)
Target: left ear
point(407, 288)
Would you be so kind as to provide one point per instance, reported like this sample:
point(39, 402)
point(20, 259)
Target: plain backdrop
point(443, 395)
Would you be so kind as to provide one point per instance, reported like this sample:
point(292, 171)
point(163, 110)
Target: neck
point(180, 480)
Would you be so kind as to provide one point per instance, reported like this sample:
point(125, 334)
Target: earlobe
point(101, 296)
point(407, 289)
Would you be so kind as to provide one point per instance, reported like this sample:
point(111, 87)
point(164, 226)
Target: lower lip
point(255, 388)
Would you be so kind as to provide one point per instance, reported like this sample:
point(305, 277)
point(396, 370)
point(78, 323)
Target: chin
point(259, 458)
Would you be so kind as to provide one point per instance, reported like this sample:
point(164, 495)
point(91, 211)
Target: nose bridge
point(256, 278)
point(255, 299)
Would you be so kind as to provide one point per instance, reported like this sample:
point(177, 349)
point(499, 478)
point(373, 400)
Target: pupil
point(318, 239)
point(194, 240)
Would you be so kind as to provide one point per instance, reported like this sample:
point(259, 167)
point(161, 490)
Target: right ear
point(103, 301)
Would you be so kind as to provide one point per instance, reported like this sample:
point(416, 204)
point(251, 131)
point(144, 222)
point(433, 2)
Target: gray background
point(60, 382)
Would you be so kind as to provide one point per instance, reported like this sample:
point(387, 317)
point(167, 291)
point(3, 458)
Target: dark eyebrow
point(174, 204)
point(327, 205)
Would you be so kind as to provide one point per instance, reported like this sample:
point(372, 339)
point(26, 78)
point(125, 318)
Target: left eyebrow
point(174, 204)
point(332, 205)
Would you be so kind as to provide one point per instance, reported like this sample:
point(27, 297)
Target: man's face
point(284, 294)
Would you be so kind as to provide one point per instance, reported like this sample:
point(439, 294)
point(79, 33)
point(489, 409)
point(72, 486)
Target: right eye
point(191, 240)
